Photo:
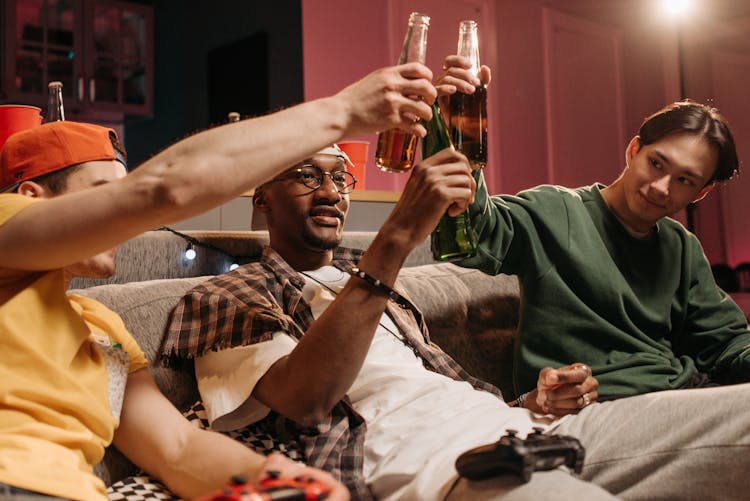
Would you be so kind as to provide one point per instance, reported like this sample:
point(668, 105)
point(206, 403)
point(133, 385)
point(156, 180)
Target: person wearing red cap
point(66, 359)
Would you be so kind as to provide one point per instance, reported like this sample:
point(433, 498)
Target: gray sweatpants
point(681, 444)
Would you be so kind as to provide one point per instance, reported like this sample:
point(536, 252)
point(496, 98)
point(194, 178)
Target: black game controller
point(510, 454)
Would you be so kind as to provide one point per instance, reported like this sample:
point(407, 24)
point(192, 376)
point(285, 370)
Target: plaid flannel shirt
point(248, 305)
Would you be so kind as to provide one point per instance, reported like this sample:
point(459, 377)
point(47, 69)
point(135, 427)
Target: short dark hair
point(56, 181)
point(692, 117)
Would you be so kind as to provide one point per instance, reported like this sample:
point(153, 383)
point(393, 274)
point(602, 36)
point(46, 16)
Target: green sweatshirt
point(646, 315)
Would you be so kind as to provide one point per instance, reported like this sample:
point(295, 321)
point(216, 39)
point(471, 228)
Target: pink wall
point(561, 118)
point(363, 35)
point(344, 41)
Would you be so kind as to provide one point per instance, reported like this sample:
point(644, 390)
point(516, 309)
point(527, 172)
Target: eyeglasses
point(312, 177)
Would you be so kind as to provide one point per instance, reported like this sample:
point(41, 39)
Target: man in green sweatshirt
point(609, 279)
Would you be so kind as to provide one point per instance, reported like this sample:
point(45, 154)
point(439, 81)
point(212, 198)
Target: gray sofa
point(471, 316)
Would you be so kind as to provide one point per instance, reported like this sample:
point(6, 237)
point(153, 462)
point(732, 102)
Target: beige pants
point(670, 445)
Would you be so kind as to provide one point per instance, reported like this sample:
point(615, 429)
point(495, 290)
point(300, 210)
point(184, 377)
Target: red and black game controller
point(273, 487)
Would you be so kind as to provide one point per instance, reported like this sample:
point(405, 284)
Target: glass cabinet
point(101, 50)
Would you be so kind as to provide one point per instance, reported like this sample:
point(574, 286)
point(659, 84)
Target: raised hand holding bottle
point(396, 149)
point(467, 113)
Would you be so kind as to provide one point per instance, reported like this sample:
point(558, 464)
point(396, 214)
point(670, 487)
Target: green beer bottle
point(453, 238)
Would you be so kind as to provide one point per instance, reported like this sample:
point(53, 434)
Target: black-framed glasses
point(312, 177)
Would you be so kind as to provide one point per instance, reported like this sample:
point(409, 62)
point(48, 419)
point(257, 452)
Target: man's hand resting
point(563, 391)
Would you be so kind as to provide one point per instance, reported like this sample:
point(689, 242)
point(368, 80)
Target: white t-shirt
point(418, 421)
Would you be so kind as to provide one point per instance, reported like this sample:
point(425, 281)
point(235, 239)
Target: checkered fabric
point(253, 436)
point(140, 488)
point(143, 487)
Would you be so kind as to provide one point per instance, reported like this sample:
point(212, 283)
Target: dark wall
point(185, 33)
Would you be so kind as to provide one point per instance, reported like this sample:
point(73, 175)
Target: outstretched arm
point(192, 462)
point(210, 168)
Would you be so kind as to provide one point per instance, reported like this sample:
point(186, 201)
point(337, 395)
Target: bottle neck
point(55, 109)
point(438, 138)
point(468, 45)
point(414, 48)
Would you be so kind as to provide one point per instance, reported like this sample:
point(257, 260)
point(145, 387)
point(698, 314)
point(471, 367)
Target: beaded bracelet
point(519, 401)
point(380, 286)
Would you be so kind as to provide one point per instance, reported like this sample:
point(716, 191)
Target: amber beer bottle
point(453, 238)
point(55, 108)
point(396, 149)
point(467, 113)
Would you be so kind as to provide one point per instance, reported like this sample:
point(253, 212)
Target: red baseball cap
point(52, 146)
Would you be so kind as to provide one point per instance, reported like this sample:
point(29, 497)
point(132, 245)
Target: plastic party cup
point(17, 117)
point(357, 153)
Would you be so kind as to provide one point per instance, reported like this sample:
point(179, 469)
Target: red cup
point(357, 153)
point(16, 117)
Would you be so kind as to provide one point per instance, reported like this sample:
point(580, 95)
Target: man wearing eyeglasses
point(325, 179)
point(312, 343)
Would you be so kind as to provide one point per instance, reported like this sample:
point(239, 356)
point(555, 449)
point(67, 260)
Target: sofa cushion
point(471, 316)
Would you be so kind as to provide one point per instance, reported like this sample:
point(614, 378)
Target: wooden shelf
point(374, 196)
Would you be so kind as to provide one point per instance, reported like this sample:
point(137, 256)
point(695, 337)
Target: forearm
point(158, 439)
point(733, 363)
point(184, 180)
point(205, 463)
point(322, 367)
point(208, 169)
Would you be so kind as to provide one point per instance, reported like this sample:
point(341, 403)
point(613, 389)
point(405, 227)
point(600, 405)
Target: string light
point(193, 244)
point(190, 253)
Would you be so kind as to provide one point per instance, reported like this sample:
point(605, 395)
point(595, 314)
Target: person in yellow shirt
point(72, 379)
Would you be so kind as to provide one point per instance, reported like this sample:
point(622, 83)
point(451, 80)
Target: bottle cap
point(418, 15)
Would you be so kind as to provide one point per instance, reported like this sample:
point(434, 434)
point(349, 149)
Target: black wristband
point(380, 286)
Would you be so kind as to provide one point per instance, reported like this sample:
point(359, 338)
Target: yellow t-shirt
point(64, 361)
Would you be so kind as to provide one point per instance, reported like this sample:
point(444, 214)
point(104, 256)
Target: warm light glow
point(678, 8)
